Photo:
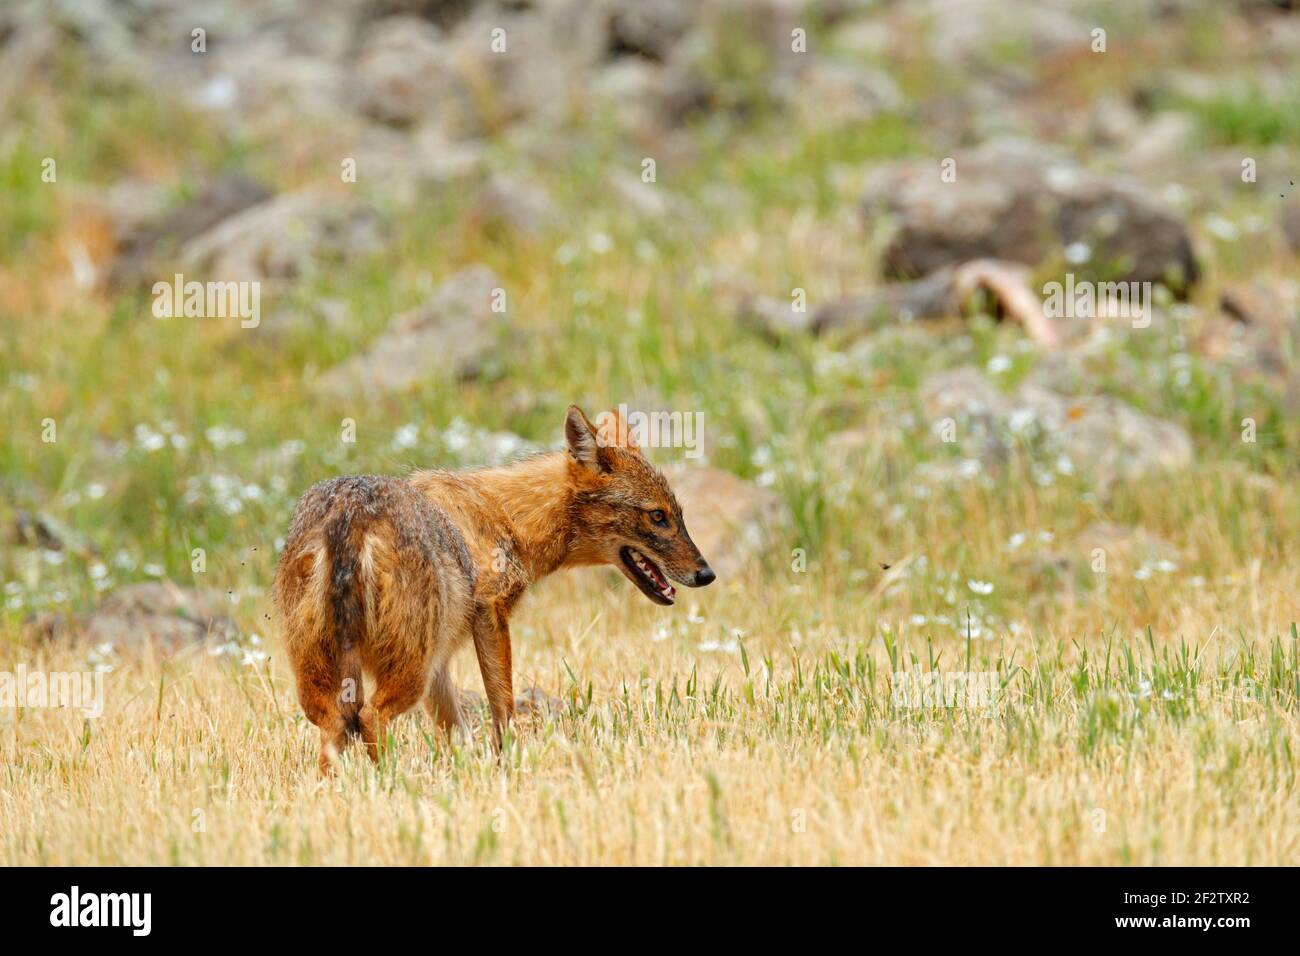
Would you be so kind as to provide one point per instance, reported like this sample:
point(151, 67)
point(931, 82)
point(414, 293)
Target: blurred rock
point(1101, 549)
point(406, 161)
point(1024, 202)
point(1161, 142)
point(28, 46)
point(629, 93)
point(289, 236)
point(1113, 120)
point(867, 37)
point(446, 338)
point(320, 316)
point(1098, 434)
point(926, 298)
point(444, 13)
point(648, 102)
point(1257, 334)
point(682, 86)
point(530, 78)
point(534, 703)
point(736, 58)
point(1115, 441)
point(1270, 305)
point(989, 211)
point(648, 28)
point(965, 390)
point(469, 69)
point(942, 293)
point(401, 72)
point(147, 248)
point(729, 519)
point(520, 204)
point(1126, 549)
point(1068, 371)
point(268, 72)
point(981, 30)
point(977, 405)
point(267, 65)
point(829, 93)
point(930, 297)
point(774, 318)
point(440, 159)
point(165, 615)
point(132, 205)
point(1120, 225)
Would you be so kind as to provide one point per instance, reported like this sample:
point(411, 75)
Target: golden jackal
point(392, 576)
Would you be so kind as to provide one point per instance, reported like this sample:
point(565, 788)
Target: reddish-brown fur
point(391, 576)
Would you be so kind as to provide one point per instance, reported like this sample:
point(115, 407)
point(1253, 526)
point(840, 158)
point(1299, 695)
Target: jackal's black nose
point(704, 576)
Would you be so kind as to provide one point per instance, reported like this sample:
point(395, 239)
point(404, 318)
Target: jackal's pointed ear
point(580, 436)
point(621, 434)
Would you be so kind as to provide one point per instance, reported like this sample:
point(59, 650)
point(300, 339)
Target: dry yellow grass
point(207, 760)
point(1147, 715)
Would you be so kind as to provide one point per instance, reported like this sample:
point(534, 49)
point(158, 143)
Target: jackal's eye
point(659, 518)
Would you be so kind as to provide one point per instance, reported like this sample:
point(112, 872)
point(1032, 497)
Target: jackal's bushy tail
point(347, 609)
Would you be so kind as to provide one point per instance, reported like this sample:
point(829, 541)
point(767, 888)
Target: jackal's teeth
point(653, 575)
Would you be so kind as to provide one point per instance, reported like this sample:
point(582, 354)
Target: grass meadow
point(1147, 714)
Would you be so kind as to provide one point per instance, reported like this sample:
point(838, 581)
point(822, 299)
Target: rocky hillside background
point(877, 246)
point(828, 226)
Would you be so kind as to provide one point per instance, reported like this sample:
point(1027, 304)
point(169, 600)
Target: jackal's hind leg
point(320, 703)
point(397, 690)
point(318, 673)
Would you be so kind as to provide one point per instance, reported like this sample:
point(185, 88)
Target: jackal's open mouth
point(648, 576)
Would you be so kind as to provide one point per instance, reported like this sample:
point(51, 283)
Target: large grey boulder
point(1022, 202)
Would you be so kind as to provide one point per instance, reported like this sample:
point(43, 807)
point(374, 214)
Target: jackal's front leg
point(492, 645)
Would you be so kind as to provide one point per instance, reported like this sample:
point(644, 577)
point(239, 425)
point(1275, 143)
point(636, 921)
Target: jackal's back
point(371, 570)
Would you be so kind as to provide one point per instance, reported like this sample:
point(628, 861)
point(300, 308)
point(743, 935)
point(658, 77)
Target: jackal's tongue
point(651, 570)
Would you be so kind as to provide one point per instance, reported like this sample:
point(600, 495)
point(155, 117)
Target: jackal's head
point(625, 514)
